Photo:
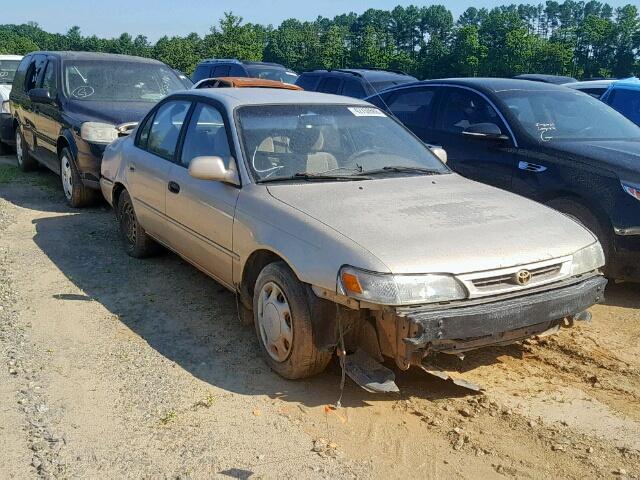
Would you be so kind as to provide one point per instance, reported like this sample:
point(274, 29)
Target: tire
point(77, 194)
point(136, 242)
point(26, 162)
point(294, 356)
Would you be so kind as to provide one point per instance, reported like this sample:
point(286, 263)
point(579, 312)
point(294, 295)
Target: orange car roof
point(247, 82)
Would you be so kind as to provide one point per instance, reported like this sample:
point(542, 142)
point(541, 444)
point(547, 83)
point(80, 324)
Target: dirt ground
point(114, 367)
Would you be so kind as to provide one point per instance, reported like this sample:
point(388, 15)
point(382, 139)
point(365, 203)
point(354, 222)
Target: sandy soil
point(115, 367)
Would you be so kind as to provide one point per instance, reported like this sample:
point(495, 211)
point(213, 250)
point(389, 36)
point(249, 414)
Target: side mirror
point(439, 152)
point(485, 130)
point(40, 95)
point(212, 168)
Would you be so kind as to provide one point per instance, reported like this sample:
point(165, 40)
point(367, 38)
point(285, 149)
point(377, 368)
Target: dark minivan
point(352, 82)
point(68, 106)
point(547, 142)
point(231, 67)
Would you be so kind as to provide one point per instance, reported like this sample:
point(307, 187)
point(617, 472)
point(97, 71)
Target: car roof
point(590, 84)
point(491, 85)
point(243, 62)
point(246, 82)
point(99, 56)
point(10, 57)
point(369, 74)
point(632, 82)
point(235, 97)
point(541, 77)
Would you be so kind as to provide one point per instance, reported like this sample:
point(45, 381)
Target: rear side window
point(462, 108)
point(237, 71)
point(627, 102)
point(202, 71)
point(166, 127)
point(308, 82)
point(412, 106)
point(330, 85)
point(353, 88)
point(206, 136)
point(221, 71)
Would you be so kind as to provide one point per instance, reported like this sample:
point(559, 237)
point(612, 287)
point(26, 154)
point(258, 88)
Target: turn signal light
point(351, 283)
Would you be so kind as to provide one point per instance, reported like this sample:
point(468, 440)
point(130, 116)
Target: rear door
point(486, 160)
point(201, 211)
point(148, 167)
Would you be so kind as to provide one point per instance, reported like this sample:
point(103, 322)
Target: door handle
point(174, 187)
point(132, 167)
point(531, 167)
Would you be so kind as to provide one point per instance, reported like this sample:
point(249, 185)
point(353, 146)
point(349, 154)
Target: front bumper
point(6, 129)
point(89, 160)
point(450, 329)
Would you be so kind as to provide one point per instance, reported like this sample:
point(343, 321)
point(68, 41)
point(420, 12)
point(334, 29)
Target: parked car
point(595, 88)
point(67, 106)
point(231, 67)
point(546, 142)
point(624, 96)
point(243, 82)
point(539, 77)
point(352, 82)
point(328, 217)
point(8, 66)
point(186, 81)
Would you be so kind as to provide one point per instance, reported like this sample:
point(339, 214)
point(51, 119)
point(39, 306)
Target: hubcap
point(65, 173)
point(19, 148)
point(128, 219)
point(274, 322)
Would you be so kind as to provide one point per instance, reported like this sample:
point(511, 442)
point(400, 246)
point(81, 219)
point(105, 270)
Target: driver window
point(462, 108)
point(206, 136)
point(165, 130)
point(49, 80)
point(33, 73)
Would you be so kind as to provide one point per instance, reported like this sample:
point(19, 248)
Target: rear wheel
point(282, 317)
point(25, 161)
point(137, 243)
point(77, 194)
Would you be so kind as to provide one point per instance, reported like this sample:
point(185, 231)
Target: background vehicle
point(595, 88)
point(186, 81)
point(243, 82)
point(67, 106)
point(357, 83)
point(8, 66)
point(546, 142)
point(624, 96)
point(239, 182)
point(540, 77)
point(231, 67)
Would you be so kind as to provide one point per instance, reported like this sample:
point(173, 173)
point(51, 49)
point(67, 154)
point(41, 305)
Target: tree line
point(581, 39)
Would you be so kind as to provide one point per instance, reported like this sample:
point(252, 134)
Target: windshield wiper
point(314, 176)
point(402, 169)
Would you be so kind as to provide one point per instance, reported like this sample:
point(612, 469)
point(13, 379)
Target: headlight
point(389, 289)
point(5, 107)
point(588, 259)
point(96, 132)
point(633, 190)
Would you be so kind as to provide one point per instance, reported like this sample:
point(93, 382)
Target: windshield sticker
point(83, 92)
point(366, 112)
point(544, 129)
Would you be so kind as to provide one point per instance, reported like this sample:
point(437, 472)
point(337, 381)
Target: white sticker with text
point(366, 112)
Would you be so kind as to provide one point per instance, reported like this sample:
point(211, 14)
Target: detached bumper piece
point(455, 330)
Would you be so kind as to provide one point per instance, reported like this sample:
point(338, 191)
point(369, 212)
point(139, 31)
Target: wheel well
point(597, 211)
point(252, 268)
point(60, 144)
point(118, 188)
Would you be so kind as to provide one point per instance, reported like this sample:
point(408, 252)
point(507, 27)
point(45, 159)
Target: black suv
point(352, 82)
point(231, 67)
point(547, 142)
point(68, 106)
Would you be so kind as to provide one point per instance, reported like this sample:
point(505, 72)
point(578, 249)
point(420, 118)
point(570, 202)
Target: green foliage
point(579, 38)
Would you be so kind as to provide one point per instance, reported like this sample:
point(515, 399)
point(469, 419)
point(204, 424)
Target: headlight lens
point(633, 190)
point(96, 132)
point(588, 259)
point(388, 289)
point(5, 107)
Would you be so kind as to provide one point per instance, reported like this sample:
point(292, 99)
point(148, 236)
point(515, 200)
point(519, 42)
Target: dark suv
point(68, 106)
point(357, 83)
point(231, 67)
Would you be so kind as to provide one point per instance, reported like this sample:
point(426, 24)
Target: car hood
point(620, 156)
point(108, 112)
point(5, 90)
point(444, 223)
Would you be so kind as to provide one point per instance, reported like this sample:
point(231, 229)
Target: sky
point(155, 18)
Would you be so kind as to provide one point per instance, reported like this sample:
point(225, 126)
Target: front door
point(201, 212)
point(48, 119)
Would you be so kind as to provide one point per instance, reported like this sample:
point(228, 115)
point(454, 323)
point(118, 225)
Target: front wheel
point(77, 194)
point(282, 317)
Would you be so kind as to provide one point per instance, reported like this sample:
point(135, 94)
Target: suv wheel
point(76, 193)
point(137, 243)
point(282, 317)
point(25, 161)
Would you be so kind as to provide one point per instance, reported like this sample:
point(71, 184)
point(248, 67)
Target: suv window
point(462, 108)
point(308, 81)
point(206, 136)
point(221, 71)
point(49, 79)
point(236, 71)
point(202, 71)
point(330, 85)
point(353, 88)
point(412, 106)
point(166, 127)
point(19, 80)
point(627, 102)
point(33, 72)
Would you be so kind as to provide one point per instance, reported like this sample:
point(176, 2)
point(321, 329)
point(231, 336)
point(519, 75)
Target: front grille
point(537, 275)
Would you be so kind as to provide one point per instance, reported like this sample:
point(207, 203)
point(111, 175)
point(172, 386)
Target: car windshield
point(553, 115)
point(111, 81)
point(8, 70)
point(285, 141)
point(272, 73)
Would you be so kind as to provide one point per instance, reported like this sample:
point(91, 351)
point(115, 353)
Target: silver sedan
point(341, 232)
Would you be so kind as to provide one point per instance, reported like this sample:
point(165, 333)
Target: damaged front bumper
point(409, 334)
